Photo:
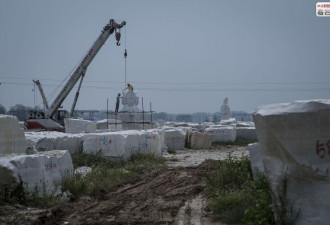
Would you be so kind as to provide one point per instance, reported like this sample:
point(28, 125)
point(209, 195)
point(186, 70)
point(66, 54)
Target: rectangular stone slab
point(294, 142)
point(41, 173)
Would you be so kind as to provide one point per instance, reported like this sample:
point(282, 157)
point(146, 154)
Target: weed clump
point(171, 151)
point(19, 195)
point(238, 142)
point(107, 174)
point(235, 198)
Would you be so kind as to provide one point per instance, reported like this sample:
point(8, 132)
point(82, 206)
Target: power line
point(251, 89)
point(183, 83)
point(57, 80)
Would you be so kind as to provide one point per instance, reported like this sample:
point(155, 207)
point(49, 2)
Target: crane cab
point(60, 115)
point(37, 121)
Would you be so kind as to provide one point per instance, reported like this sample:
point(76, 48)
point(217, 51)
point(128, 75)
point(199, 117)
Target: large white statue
point(225, 110)
point(130, 113)
point(130, 102)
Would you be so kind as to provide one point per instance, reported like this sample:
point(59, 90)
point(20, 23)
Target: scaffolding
point(142, 122)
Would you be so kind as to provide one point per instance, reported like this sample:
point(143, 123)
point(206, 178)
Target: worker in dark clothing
point(117, 102)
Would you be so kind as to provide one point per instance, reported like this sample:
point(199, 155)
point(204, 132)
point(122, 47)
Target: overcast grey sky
point(183, 56)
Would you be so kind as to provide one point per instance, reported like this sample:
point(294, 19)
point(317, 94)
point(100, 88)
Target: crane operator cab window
point(61, 115)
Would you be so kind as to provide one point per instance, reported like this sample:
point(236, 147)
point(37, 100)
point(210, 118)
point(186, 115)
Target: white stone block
point(248, 133)
point(185, 129)
point(112, 125)
point(229, 121)
point(207, 124)
point(52, 140)
point(199, 127)
point(103, 124)
point(245, 124)
point(12, 139)
point(181, 124)
point(169, 124)
point(150, 125)
point(222, 134)
point(161, 122)
point(42, 172)
point(197, 140)
point(175, 138)
point(295, 145)
point(22, 125)
point(124, 144)
point(83, 171)
point(75, 126)
point(257, 163)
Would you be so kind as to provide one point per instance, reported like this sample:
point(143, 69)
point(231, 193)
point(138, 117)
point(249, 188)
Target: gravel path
point(189, 157)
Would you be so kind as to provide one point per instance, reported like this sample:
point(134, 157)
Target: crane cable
point(125, 56)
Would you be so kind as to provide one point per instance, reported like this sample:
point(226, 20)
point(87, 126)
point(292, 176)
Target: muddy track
point(155, 198)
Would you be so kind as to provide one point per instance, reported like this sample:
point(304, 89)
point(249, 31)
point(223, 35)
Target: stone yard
point(173, 195)
point(293, 147)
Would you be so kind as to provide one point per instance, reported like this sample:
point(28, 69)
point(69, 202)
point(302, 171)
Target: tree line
point(21, 112)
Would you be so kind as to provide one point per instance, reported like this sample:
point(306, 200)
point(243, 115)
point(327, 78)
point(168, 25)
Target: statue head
point(225, 101)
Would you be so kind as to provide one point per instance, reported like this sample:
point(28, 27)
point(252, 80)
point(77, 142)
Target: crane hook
point(118, 38)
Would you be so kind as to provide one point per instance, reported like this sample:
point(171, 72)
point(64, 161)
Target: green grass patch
point(171, 151)
point(18, 195)
point(238, 142)
point(243, 142)
point(235, 197)
point(99, 179)
point(173, 160)
point(107, 174)
point(135, 163)
point(44, 202)
point(144, 161)
point(230, 207)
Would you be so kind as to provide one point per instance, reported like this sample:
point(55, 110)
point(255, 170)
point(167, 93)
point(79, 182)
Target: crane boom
point(76, 97)
point(81, 69)
point(37, 82)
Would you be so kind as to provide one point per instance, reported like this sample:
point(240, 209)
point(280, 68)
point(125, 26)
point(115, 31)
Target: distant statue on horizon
point(225, 110)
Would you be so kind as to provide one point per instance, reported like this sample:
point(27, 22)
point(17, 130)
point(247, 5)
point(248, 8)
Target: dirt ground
point(173, 195)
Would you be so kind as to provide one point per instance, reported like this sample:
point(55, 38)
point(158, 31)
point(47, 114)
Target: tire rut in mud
point(155, 198)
